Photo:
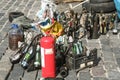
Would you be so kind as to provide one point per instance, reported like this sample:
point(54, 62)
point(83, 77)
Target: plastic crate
point(81, 61)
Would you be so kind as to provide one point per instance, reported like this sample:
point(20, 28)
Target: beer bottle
point(27, 57)
point(80, 46)
point(77, 48)
point(37, 57)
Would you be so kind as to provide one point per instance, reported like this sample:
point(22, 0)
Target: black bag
point(13, 15)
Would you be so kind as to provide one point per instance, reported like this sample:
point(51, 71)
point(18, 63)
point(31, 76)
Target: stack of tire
point(105, 6)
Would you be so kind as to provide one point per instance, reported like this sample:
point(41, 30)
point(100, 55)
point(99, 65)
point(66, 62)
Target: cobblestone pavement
point(108, 48)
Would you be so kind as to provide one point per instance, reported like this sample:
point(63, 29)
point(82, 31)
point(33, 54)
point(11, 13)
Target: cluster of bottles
point(87, 23)
point(80, 61)
point(78, 48)
point(74, 56)
point(28, 55)
point(75, 25)
point(32, 55)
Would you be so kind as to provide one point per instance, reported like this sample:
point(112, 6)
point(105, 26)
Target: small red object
point(53, 20)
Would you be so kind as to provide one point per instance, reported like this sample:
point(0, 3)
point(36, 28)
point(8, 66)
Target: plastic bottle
point(15, 35)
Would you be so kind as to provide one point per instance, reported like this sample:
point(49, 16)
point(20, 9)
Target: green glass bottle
point(74, 49)
point(77, 49)
point(80, 46)
point(37, 57)
point(27, 57)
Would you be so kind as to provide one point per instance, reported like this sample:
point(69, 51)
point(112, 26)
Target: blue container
point(117, 5)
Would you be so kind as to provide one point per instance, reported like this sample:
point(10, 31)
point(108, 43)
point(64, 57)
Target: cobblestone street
point(108, 47)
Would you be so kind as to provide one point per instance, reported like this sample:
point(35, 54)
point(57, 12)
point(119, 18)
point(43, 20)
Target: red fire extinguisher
point(48, 57)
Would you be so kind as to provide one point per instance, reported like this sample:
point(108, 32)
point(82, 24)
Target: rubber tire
point(13, 15)
point(100, 1)
point(104, 7)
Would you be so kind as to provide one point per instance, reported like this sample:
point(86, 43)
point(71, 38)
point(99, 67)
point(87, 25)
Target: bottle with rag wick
point(15, 35)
